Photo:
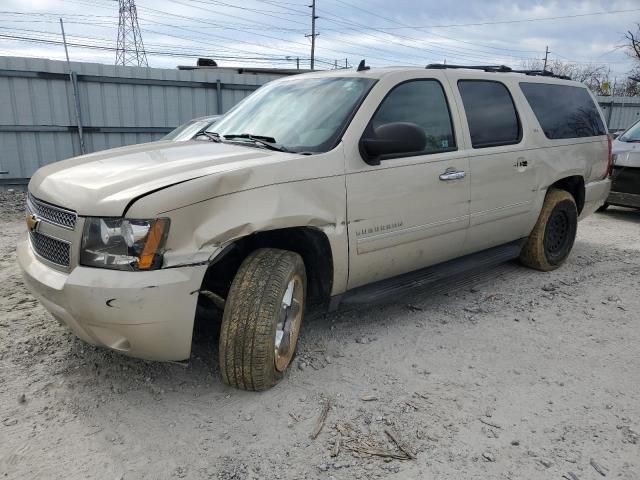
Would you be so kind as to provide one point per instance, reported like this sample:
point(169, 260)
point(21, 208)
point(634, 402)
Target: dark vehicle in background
point(625, 174)
point(191, 129)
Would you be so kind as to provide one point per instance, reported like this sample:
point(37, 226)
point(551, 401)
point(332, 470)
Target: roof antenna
point(362, 67)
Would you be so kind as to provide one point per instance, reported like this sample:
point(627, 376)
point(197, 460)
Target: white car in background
point(625, 174)
point(192, 129)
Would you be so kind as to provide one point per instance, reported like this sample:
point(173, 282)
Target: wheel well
point(311, 244)
point(575, 186)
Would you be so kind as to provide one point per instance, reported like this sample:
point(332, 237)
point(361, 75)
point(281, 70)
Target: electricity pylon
point(130, 49)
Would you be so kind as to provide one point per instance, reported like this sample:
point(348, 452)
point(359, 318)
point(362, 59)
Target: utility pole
point(313, 32)
point(130, 49)
point(64, 40)
point(297, 59)
point(546, 56)
point(74, 88)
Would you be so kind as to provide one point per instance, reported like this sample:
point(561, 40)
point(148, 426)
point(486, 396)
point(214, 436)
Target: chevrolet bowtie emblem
point(32, 222)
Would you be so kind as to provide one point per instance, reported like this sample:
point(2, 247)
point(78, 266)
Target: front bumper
point(146, 315)
point(624, 199)
point(625, 190)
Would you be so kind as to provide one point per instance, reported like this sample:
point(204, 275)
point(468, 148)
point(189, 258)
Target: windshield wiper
point(268, 142)
point(210, 135)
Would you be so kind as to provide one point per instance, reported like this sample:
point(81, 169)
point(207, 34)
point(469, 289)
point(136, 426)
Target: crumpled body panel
point(282, 191)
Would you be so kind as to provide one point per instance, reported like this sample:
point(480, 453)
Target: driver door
point(412, 209)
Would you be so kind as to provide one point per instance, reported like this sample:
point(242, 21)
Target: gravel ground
point(520, 375)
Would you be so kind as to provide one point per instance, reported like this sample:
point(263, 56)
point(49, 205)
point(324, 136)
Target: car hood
point(628, 158)
point(106, 182)
point(619, 146)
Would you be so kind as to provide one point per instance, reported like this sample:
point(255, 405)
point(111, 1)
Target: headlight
point(123, 243)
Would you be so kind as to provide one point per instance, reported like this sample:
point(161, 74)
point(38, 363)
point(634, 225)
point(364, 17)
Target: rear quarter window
point(563, 111)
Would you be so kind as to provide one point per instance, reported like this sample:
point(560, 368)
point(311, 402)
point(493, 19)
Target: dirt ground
point(514, 374)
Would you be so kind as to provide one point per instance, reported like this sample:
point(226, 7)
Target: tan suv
point(316, 189)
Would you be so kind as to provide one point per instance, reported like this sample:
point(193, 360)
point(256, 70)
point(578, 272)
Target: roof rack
point(543, 73)
point(486, 68)
point(499, 69)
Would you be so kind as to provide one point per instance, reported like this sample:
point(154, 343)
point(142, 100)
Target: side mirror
point(392, 139)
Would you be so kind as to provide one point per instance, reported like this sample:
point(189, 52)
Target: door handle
point(521, 163)
point(451, 174)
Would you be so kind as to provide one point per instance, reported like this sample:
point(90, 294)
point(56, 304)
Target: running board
point(441, 277)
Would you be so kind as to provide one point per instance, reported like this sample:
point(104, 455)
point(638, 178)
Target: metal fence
point(620, 112)
point(118, 106)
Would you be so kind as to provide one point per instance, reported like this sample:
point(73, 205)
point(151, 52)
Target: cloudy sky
point(272, 32)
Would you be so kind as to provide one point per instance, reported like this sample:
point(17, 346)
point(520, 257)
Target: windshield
point(299, 114)
point(186, 131)
point(632, 134)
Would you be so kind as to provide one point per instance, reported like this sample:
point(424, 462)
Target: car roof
point(382, 72)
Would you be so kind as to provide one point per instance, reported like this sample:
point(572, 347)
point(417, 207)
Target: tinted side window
point(563, 111)
point(491, 114)
point(422, 102)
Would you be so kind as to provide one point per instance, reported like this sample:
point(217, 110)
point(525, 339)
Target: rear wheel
point(262, 319)
point(552, 238)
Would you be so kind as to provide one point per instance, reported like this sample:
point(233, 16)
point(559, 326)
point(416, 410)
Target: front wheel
point(552, 238)
point(262, 319)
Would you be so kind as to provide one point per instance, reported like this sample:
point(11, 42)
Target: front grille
point(52, 214)
point(52, 249)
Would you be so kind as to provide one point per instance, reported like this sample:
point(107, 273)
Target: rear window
point(563, 111)
point(491, 114)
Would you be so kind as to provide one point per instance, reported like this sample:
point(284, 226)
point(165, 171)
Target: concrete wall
point(118, 105)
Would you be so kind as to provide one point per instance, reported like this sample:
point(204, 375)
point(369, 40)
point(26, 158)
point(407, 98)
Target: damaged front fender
point(275, 195)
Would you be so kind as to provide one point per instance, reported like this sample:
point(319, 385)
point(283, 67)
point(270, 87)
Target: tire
point(604, 206)
point(552, 238)
point(256, 312)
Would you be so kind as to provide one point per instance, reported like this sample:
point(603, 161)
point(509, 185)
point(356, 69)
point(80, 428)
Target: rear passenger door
point(502, 170)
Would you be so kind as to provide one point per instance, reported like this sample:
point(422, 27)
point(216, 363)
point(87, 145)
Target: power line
point(391, 20)
point(524, 20)
point(149, 51)
point(200, 20)
point(104, 42)
point(400, 40)
point(287, 11)
point(425, 54)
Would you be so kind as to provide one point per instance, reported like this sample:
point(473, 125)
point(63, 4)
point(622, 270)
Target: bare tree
point(593, 75)
point(634, 43)
point(633, 51)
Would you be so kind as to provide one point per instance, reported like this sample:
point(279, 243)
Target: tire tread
point(533, 254)
point(250, 315)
